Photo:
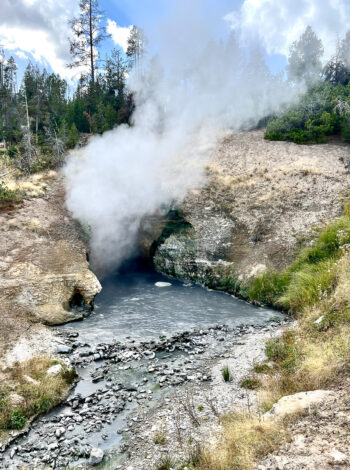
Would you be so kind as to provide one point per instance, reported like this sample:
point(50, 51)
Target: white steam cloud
point(189, 92)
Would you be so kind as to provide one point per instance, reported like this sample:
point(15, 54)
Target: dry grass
point(244, 441)
point(34, 225)
point(313, 356)
point(14, 224)
point(31, 186)
point(317, 354)
point(26, 390)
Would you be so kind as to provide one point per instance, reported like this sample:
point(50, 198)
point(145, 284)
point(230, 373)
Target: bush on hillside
point(317, 116)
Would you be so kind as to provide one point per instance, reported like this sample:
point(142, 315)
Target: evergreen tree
point(304, 61)
point(88, 34)
point(336, 70)
point(136, 47)
point(344, 50)
point(73, 137)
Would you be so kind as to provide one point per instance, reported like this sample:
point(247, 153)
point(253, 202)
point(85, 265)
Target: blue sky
point(37, 30)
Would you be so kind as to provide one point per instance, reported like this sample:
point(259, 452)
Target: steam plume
point(190, 91)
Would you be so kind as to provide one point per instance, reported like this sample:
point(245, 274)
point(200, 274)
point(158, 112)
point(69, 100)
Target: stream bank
point(125, 377)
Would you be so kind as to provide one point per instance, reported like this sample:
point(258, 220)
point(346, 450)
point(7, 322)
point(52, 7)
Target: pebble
point(63, 349)
point(73, 428)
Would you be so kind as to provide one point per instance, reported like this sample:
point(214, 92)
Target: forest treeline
point(40, 121)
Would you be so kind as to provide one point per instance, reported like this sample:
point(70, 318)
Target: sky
point(38, 30)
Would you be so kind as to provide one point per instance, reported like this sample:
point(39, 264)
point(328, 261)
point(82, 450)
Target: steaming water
point(131, 305)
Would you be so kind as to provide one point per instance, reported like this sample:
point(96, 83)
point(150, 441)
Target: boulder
point(298, 402)
point(96, 456)
point(338, 458)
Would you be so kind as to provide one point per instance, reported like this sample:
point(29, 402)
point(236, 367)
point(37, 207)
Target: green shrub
point(159, 438)
point(8, 197)
point(283, 351)
point(12, 151)
point(313, 118)
point(17, 420)
point(230, 285)
point(42, 405)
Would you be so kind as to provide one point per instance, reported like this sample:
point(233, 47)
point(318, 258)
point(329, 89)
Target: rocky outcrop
point(44, 272)
point(261, 200)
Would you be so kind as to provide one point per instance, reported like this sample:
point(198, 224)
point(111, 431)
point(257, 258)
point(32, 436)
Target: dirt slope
point(261, 200)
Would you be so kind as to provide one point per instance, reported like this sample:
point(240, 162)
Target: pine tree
point(115, 75)
point(136, 47)
point(304, 61)
point(88, 35)
point(73, 137)
point(336, 70)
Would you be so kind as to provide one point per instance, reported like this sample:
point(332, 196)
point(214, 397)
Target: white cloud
point(38, 29)
point(119, 34)
point(276, 24)
point(21, 55)
point(36, 43)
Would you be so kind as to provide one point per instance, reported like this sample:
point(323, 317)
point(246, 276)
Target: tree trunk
point(92, 65)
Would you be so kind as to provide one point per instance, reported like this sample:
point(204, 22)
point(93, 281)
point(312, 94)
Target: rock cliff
point(261, 200)
point(44, 272)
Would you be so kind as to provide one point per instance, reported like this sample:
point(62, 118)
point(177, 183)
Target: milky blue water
point(131, 305)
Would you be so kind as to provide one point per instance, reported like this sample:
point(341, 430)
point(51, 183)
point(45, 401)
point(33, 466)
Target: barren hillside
point(262, 199)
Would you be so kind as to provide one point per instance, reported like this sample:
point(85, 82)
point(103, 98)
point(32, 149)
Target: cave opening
point(77, 300)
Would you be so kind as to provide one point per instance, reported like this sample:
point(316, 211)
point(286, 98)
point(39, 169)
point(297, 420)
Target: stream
point(147, 335)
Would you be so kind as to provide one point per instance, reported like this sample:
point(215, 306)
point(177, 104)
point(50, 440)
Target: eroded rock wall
point(261, 200)
point(43, 265)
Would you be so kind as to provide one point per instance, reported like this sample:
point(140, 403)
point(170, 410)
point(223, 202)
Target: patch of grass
point(36, 392)
point(251, 383)
point(262, 369)
point(312, 276)
point(309, 285)
point(243, 443)
point(283, 351)
point(226, 374)
point(268, 287)
point(317, 353)
point(159, 438)
point(165, 463)
point(200, 407)
point(8, 197)
point(229, 284)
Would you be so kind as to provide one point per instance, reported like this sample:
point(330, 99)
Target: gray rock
point(96, 456)
point(63, 349)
